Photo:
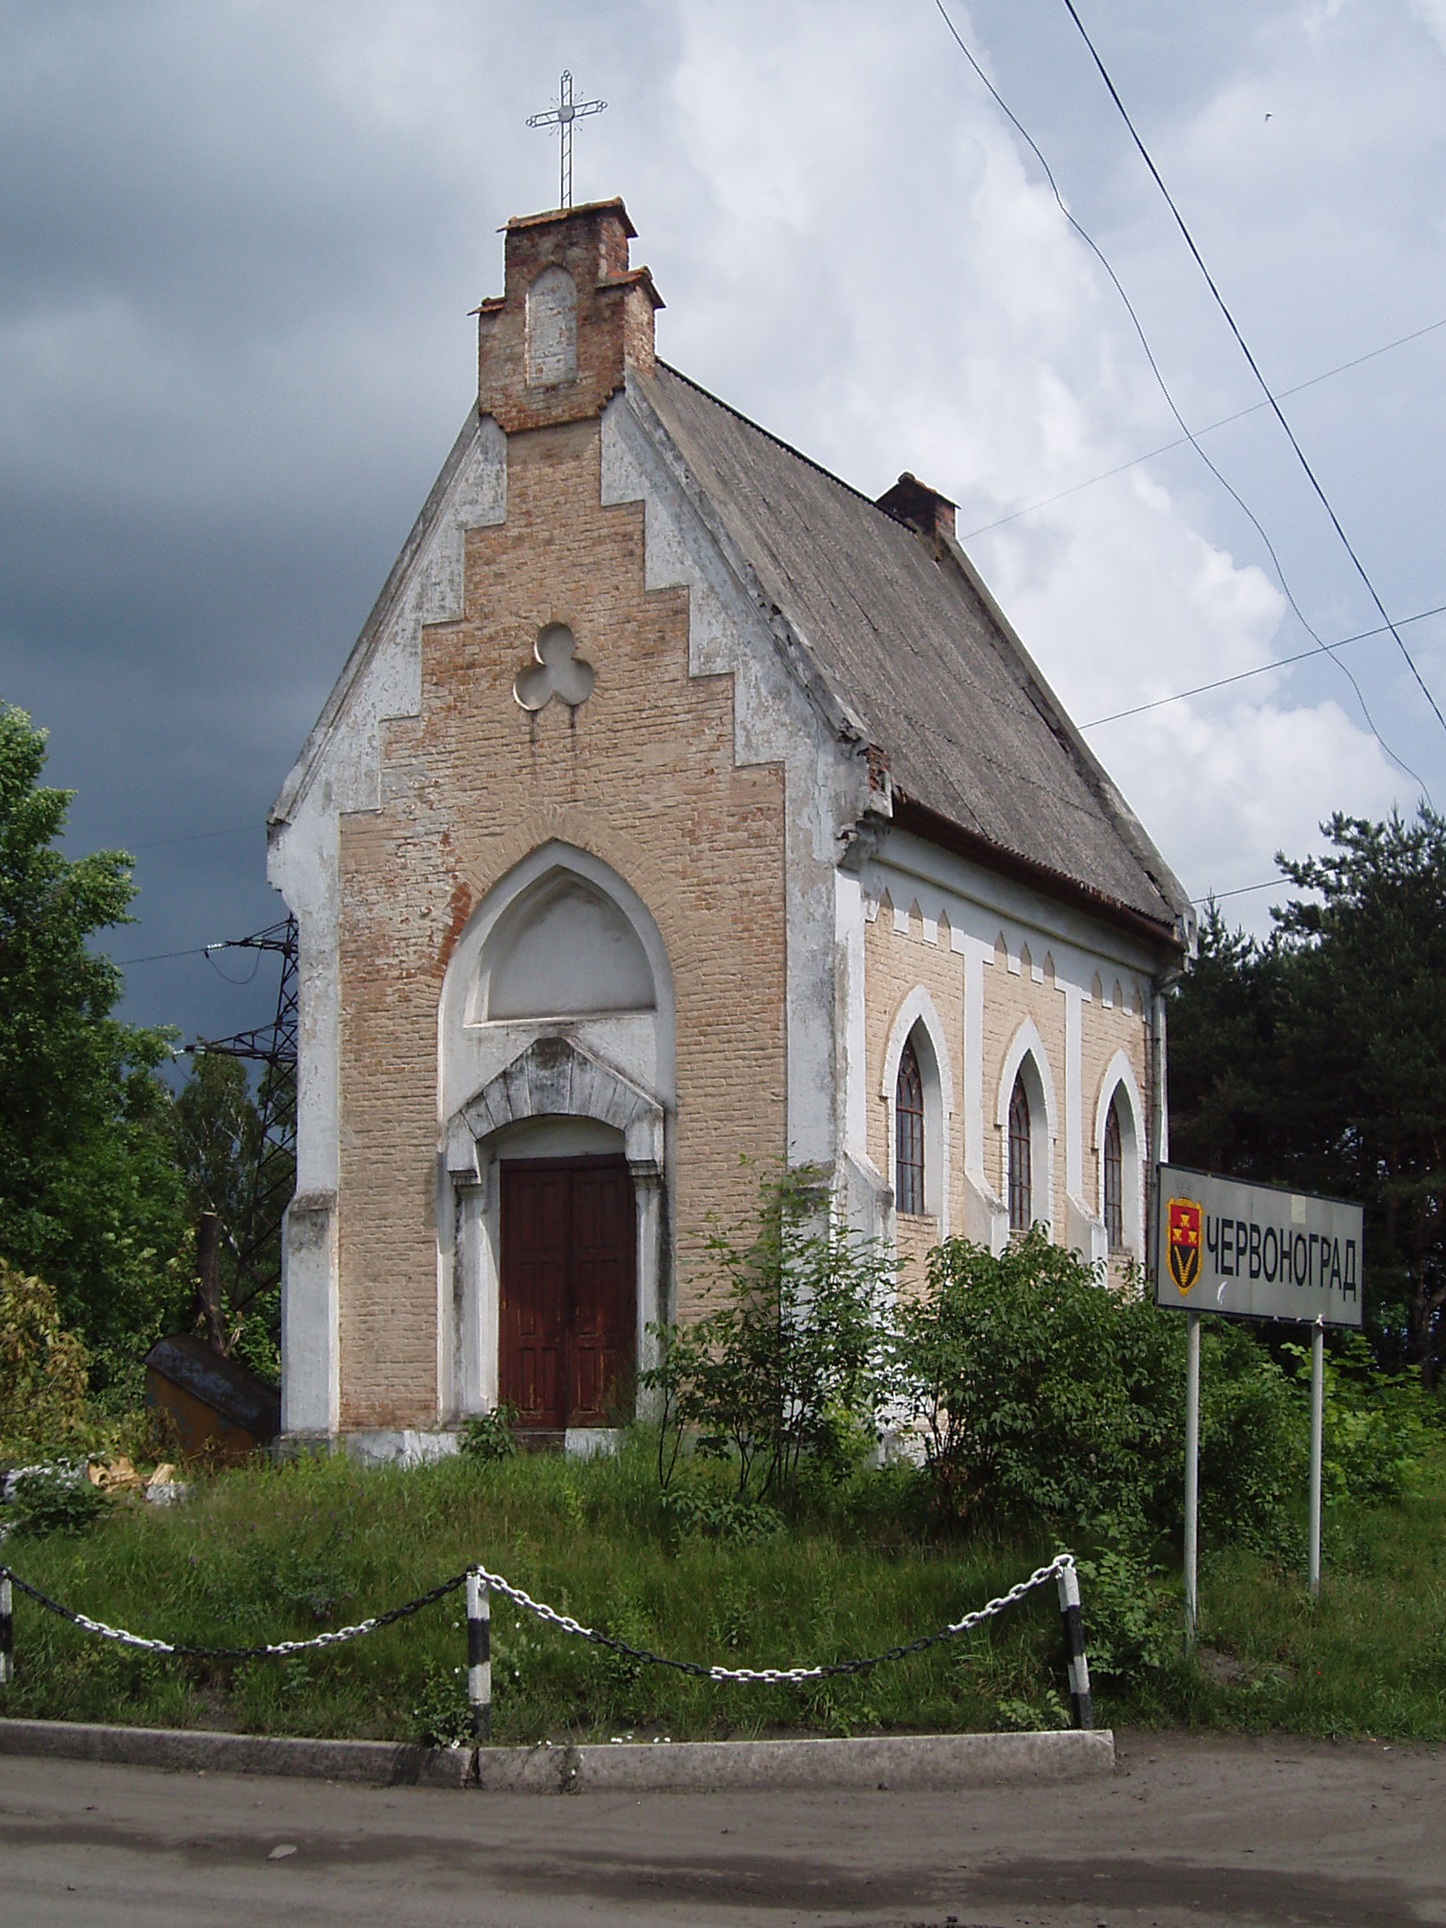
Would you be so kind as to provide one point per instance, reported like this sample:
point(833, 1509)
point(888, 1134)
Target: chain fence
point(481, 1583)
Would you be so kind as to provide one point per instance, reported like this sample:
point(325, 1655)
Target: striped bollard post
point(479, 1656)
point(7, 1633)
point(1074, 1647)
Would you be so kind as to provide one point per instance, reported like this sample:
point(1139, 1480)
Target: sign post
point(1252, 1252)
point(1317, 1413)
point(1192, 1474)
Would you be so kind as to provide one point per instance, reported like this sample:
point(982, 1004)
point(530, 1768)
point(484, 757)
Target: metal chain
point(768, 1676)
point(274, 1650)
point(772, 1676)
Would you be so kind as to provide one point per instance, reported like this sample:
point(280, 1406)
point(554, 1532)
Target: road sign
point(1255, 1251)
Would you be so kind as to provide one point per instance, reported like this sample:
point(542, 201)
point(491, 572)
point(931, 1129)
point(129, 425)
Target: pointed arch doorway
point(555, 1032)
point(568, 1293)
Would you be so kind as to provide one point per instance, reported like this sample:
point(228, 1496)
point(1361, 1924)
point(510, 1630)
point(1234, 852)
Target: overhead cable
point(1241, 890)
point(1271, 400)
point(1261, 669)
point(1164, 387)
point(1182, 441)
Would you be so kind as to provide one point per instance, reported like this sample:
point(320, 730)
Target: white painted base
point(591, 1442)
point(400, 1446)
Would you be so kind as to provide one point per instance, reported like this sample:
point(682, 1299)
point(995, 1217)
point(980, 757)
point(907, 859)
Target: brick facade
point(643, 776)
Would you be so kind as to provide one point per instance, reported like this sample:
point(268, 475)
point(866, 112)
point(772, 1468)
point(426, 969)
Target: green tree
point(1225, 1023)
point(90, 1198)
point(1317, 1058)
point(1364, 1058)
point(216, 1133)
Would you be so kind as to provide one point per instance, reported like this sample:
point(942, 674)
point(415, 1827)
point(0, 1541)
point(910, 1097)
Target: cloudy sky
point(238, 245)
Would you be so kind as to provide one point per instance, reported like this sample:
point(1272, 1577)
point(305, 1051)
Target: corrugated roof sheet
point(909, 645)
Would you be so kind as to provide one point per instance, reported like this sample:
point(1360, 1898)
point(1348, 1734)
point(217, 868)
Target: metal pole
point(7, 1633)
point(1317, 1414)
point(1192, 1475)
point(1074, 1647)
point(479, 1656)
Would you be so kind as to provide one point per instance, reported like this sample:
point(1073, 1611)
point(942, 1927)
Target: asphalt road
point(1204, 1832)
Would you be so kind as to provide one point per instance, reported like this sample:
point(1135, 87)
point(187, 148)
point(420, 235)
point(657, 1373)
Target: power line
point(1243, 890)
point(154, 957)
point(1164, 388)
point(195, 836)
point(196, 950)
point(1244, 675)
point(1254, 366)
point(1182, 441)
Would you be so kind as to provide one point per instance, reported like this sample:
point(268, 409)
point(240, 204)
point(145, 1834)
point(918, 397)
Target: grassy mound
point(274, 1552)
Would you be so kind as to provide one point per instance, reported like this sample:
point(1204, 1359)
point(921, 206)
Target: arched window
point(1021, 1160)
point(1114, 1181)
point(909, 1133)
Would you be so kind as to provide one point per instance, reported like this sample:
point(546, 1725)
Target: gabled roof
point(911, 643)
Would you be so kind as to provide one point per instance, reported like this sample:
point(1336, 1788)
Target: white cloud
point(1432, 14)
point(964, 332)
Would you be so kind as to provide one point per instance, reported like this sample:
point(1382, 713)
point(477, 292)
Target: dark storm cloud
point(239, 241)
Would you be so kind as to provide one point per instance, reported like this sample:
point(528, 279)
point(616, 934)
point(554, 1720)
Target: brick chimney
point(919, 507)
point(574, 317)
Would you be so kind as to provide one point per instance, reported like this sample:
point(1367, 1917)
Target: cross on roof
point(562, 117)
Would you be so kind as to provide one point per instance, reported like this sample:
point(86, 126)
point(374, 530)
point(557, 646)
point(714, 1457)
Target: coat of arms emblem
point(1183, 1241)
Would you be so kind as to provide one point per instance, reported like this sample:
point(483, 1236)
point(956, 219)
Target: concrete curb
point(871, 1761)
point(382, 1763)
point(875, 1760)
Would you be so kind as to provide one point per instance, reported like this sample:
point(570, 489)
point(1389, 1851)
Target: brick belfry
point(678, 803)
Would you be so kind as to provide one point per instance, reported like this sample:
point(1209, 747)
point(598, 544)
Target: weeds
point(269, 1552)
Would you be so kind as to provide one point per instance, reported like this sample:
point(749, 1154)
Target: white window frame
point(1028, 1058)
point(1119, 1082)
point(918, 1018)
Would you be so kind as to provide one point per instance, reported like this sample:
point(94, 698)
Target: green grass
point(267, 1552)
point(1367, 1658)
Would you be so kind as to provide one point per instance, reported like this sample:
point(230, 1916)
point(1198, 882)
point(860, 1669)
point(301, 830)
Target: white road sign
point(1255, 1251)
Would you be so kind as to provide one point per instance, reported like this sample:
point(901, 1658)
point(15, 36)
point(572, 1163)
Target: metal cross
point(562, 117)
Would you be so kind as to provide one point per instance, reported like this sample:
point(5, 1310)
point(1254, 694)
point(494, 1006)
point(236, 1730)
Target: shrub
point(1131, 1619)
point(43, 1368)
point(488, 1436)
point(785, 1373)
point(49, 1501)
point(1041, 1394)
point(1377, 1425)
point(1254, 1441)
point(1038, 1393)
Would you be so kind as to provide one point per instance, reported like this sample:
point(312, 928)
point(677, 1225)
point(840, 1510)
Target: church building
point(679, 806)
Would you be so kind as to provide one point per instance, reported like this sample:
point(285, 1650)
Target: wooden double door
point(568, 1326)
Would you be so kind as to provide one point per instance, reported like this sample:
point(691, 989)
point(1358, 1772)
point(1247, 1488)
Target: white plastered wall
point(974, 906)
point(339, 770)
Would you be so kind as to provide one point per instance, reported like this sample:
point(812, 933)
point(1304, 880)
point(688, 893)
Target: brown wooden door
point(568, 1318)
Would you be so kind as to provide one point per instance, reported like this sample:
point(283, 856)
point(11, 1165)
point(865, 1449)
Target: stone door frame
point(554, 1078)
